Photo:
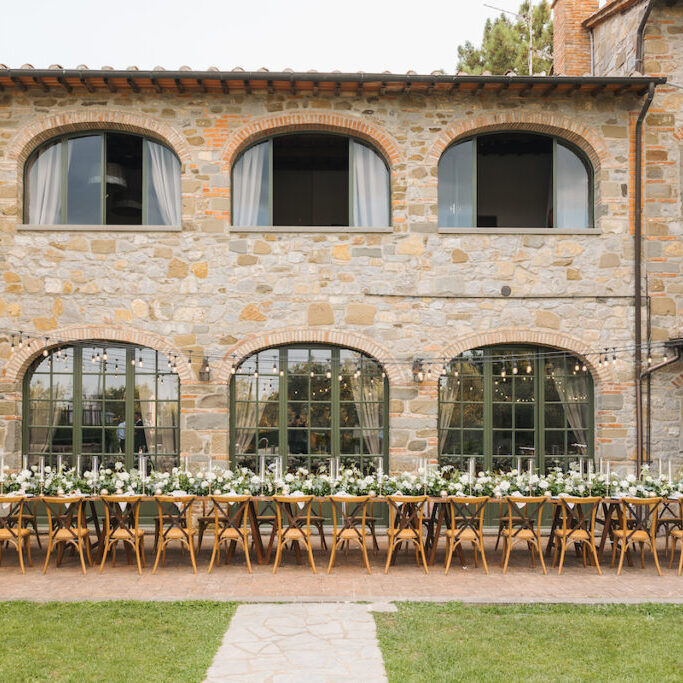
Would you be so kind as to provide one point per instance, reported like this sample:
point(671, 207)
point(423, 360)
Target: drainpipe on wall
point(637, 272)
point(640, 37)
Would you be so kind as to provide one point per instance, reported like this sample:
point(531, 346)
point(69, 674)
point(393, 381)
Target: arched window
point(502, 403)
point(110, 400)
point(515, 180)
point(102, 178)
point(306, 179)
point(307, 404)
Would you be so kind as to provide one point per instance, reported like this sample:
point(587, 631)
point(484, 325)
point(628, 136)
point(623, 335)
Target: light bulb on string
point(105, 356)
point(11, 347)
point(328, 374)
point(311, 374)
point(514, 369)
point(528, 368)
point(92, 359)
point(340, 378)
point(282, 372)
point(274, 369)
point(21, 340)
point(614, 357)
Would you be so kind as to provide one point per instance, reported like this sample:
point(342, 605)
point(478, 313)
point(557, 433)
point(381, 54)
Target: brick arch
point(42, 129)
point(262, 127)
point(555, 340)
point(583, 137)
point(397, 374)
point(16, 367)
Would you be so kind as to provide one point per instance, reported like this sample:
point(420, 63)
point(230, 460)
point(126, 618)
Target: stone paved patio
point(348, 581)
point(289, 643)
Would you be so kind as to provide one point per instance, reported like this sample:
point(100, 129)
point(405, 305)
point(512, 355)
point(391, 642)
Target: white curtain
point(247, 413)
point(164, 172)
point(250, 187)
point(573, 392)
point(449, 393)
point(45, 187)
point(367, 396)
point(370, 187)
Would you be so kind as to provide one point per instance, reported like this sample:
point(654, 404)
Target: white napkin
point(4, 508)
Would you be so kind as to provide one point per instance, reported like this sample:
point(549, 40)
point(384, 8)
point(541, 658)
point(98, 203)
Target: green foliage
point(110, 641)
point(505, 44)
point(456, 642)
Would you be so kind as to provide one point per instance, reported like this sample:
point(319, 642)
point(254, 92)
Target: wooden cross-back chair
point(349, 525)
point(297, 529)
point(230, 515)
point(466, 524)
point(266, 516)
point(669, 520)
point(204, 521)
point(637, 524)
point(578, 527)
point(174, 524)
point(523, 524)
point(676, 537)
point(66, 526)
point(12, 529)
point(406, 515)
point(121, 525)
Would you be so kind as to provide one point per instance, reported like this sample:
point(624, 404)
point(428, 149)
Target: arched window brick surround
point(568, 129)
point(398, 375)
point(555, 340)
point(40, 130)
point(259, 128)
point(19, 362)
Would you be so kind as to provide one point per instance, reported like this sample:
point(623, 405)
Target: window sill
point(520, 231)
point(98, 228)
point(309, 229)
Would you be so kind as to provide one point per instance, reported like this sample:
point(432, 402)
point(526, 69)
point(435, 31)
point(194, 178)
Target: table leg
point(256, 533)
point(556, 521)
point(607, 509)
point(437, 531)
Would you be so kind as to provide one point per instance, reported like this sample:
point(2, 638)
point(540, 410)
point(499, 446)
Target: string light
point(514, 369)
point(528, 368)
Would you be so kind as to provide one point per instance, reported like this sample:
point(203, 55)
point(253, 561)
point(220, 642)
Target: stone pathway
point(285, 643)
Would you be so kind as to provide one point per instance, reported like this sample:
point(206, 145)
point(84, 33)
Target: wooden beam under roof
point(200, 83)
point(19, 83)
point(62, 81)
point(179, 85)
point(86, 84)
point(225, 87)
point(134, 86)
point(110, 86)
point(155, 84)
point(41, 84)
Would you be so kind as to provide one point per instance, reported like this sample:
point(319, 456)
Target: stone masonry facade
point(404, 291)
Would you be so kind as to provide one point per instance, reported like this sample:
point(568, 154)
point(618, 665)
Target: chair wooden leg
point(79, 543)
point(47, 556)
point(27, 541)
point(508, 546)
point(142, 551)
point(333, 554)
point(680, 562)
point(136, 547)
point(88, 552)
point(278, 554)
point(483, 554)
point(160, 546)
point(594, 551)
point(654, 552)
point(621, 557)
point(231, 552)
point(365, 555)
point(190, 547)
point(390, 550)
point(113, 553)
point(20, 551)
point(562, 552)
point(107, 544)
point(245, 545)
point(614, 554)
point(449, 554)
point(424, 559)
point(642, 556)
point(310, 554)
point(539, 549)
point(216, 548)
point(673, 552)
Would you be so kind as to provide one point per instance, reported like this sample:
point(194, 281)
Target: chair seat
point(573, 535)
point(5, 534)
point(637, 536)
point(463, 535)
point(403, 533)
point(227, 533)
point(122, 533)
point(296, 534)
point(525, 534)
point(180, 533)
point(678, 533)
point(68, 534)
point(350, 533)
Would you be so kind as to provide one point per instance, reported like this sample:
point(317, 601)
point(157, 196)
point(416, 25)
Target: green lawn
point(455, 642)
point(114, 641)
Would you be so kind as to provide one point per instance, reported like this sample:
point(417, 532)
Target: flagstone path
point(315, 642)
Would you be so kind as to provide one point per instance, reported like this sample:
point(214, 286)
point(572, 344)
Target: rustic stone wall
point(414, 291)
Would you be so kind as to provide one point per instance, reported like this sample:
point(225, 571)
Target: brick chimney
point(571, 43)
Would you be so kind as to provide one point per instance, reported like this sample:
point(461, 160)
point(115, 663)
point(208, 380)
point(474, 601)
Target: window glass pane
point(250, 186)
point(350, 442)
point(62, 387)
point(145, 386)
point(114, 413)
point(112, 444)
point(167, 413)
point(91, 438)
point(124, 179)
point(270, 415)
point(572, 191)
point(84, 180)
point(472, 442)
point(472, 414)
point(44, 191)
point(456, 191)
point(162, 191)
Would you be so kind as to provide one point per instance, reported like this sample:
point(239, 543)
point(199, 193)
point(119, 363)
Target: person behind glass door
point(140, 439)
point(297, 437)
point(121, 435)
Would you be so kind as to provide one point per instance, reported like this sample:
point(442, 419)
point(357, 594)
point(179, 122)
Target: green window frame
point(500, 403)
point(351, 140)
point(316, 383)
point(77, 396)
point(442, 199)
point(63, 141)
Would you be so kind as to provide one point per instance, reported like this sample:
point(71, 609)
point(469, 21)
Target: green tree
point(505, 44)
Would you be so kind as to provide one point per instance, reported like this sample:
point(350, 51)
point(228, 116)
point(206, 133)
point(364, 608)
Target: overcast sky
point(349, 35)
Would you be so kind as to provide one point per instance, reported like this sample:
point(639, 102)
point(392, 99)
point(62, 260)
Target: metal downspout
point(637, 272)
point(640, 37)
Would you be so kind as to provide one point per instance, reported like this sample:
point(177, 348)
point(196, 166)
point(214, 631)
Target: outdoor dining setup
point(88, 512)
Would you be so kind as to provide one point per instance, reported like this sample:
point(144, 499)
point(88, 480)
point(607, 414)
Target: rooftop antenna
point(527, 18)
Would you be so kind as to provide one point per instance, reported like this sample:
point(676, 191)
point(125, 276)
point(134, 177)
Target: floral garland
point(442, 482)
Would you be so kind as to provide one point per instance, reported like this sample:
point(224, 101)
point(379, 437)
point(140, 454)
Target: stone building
point(232, 264)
